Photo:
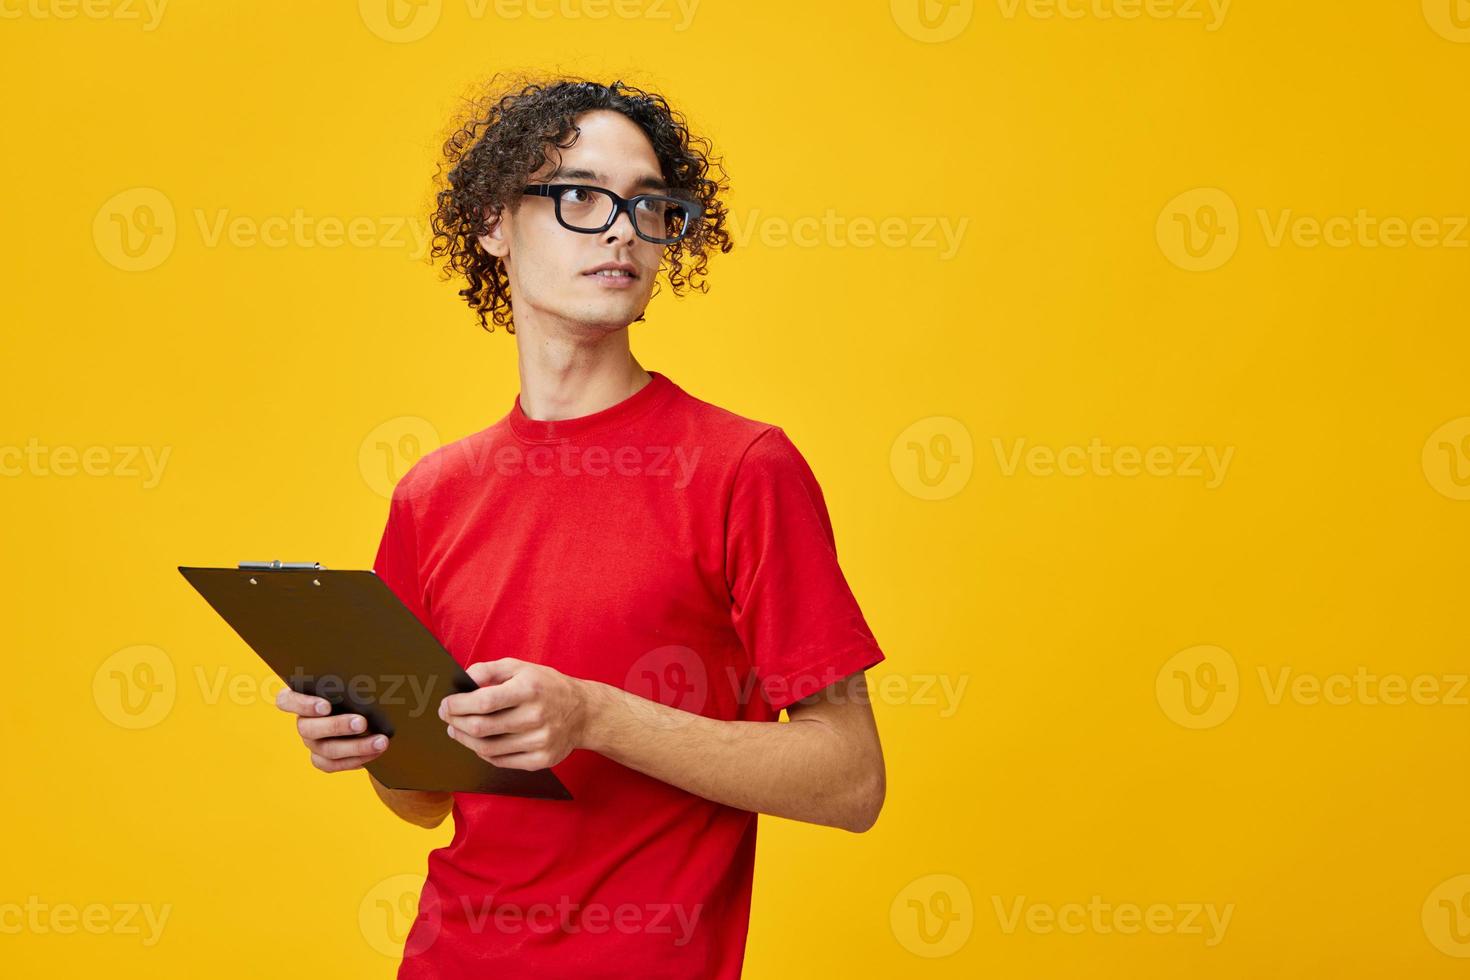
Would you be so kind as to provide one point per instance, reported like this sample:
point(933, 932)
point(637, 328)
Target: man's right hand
point(336, 742)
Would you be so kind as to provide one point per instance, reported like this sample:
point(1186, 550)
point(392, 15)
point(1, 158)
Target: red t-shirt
point(662, 545)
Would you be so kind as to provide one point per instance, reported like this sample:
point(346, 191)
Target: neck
point(566, 376)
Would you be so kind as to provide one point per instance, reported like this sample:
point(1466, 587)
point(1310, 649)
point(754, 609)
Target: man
point(639, 581)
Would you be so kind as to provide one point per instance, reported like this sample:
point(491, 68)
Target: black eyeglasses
point(656, 218)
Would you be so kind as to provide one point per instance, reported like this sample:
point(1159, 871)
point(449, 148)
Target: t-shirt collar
point(551, 430)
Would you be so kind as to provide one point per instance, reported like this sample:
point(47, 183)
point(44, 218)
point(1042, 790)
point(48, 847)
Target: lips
point(611, 270)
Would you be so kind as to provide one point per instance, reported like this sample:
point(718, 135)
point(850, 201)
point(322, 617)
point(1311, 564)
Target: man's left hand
point(524, 716)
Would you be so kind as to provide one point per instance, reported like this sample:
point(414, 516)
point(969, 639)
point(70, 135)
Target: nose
point(622, 228)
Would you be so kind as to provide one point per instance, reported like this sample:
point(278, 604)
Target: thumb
point(488, 672)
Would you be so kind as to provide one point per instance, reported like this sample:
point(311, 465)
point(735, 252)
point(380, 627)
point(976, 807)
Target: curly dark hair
point(507, 133)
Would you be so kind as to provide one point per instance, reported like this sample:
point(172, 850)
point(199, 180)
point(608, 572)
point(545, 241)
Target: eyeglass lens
point(657, 217)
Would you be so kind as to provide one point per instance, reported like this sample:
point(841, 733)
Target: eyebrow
point(646, 182)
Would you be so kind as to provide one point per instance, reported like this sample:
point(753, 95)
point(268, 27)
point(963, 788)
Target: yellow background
point(1070, 766)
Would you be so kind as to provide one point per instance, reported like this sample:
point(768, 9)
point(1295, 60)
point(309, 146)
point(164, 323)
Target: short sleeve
point(792, 607)
point(397, 560)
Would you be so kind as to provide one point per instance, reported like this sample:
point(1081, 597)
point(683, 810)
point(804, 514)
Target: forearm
point(803, 769)
point(420, 807)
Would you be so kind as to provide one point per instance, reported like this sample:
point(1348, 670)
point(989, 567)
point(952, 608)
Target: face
point(550, 266)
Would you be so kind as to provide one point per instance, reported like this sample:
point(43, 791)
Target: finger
point(521, 718)
point(331, 727)
point(343, 748)
point(497, 745)
point(494, 671)
point(468, 741)
point(339, 765)
point(302, 704)
point(484, 701)
point(503, 745)
point(530, 761)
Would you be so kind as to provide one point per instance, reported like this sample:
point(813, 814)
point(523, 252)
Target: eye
point(575, 195)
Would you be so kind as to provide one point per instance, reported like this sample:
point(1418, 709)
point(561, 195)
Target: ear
point(495, 241)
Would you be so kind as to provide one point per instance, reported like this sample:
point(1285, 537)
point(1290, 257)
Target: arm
point(419, 807)
point(824, 766)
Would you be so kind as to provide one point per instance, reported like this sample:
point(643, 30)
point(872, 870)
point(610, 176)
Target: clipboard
point(344, 636)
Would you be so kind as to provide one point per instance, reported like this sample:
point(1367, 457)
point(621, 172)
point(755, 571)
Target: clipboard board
point(344, 636)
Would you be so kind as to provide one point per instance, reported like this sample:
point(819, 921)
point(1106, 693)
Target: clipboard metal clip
point(269, 566)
